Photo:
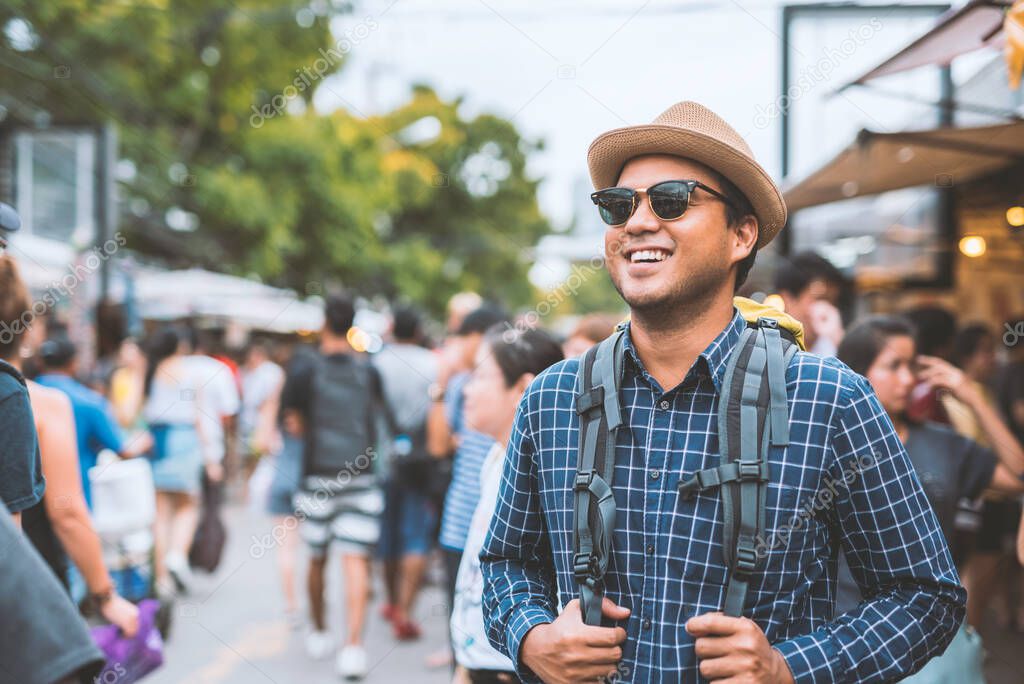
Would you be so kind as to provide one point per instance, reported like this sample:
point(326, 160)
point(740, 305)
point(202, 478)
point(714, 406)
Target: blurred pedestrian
point(934, 329)
point(407, 369)
point(262, 380)
point(333, 400)
point(59, 524)
point(174, 398)
point(220, 399)
point(812, 289)
point(43, 639)
point(461, 305)
point(447, 437)
point(95, 426)
point(506, 362)
point(127, 385)
point(949, 465)
point(590, 330)
point(990, 570)
point(21, 478)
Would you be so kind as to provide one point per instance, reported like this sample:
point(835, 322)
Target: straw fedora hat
point(691, 130)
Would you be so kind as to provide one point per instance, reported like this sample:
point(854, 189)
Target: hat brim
point(610, 152)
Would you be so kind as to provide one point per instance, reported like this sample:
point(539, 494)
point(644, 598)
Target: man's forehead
point(653, 168)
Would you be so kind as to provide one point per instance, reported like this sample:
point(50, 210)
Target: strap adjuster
point(746, 559)
point(586, 401)
point(752, 470)
point(583, 480)
point(584, 568)
point(766, 322)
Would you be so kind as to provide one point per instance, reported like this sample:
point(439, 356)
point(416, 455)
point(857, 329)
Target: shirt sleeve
point(914, 603)
point(977, 466)
point(21, 474)
point(516, 563)
point(107, 433)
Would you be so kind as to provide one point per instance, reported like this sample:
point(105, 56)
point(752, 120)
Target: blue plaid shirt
point(844, 480)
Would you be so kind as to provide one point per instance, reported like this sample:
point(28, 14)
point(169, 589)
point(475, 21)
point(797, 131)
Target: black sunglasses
point(669, 200)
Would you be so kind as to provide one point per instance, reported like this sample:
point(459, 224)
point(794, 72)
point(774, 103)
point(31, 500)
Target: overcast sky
point(567, 70)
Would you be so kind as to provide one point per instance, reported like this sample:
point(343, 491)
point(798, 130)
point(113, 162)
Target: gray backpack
point(753, 416)
point(345, 419)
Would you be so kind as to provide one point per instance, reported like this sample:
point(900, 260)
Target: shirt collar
point(710, 363)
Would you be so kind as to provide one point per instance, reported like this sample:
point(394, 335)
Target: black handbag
point(211, 534)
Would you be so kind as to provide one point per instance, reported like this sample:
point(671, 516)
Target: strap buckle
point(752, 470)
point(766, 322)
point(584, 568)
point(746, 560)
point(583, 480)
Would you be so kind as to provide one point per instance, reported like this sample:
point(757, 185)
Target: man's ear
point(745, 232)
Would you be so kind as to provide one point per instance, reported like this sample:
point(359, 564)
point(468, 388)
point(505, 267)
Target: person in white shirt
point(506, 363)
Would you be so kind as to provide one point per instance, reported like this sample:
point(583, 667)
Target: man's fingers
point(711, 624)
point(717, 669)
point(713, 647)
point(604, 636)
point(599, 656)
point(615, 612)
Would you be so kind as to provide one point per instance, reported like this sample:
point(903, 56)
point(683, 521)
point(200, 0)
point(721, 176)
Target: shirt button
point(663, 405)
point(655, 474)
point(650, 548)
point(647, 623)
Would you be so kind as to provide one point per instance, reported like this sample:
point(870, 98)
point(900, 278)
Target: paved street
point(232, 630)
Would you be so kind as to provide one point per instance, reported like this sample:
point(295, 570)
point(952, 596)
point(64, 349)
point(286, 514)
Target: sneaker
point(319, 645)
point(181, 573)
point(351, 662)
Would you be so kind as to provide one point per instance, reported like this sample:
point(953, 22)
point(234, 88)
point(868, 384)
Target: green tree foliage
point(197, 90)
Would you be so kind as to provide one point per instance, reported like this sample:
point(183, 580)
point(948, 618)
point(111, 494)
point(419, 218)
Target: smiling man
point(687, 207)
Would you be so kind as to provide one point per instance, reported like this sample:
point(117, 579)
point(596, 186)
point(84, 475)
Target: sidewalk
point(232, 629)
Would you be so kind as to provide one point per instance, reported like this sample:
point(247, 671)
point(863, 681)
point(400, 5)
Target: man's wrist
point(783, 675)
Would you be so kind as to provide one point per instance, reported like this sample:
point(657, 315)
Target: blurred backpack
point(753, 417)
point(346, 419)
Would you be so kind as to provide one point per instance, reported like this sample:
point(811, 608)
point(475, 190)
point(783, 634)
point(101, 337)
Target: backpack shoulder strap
point(753, 416)
point(597, 403)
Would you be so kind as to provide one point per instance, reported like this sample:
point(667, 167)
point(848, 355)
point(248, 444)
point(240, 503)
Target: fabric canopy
point(977, 24)
point(878, 162)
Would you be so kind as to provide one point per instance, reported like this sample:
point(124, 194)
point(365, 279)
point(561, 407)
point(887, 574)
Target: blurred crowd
point(392, 461)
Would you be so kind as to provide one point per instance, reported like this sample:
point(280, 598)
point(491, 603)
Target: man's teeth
point(648, 255)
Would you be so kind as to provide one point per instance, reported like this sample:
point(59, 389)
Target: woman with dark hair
point(172, 400)
point(506, 362)
point(949, 466)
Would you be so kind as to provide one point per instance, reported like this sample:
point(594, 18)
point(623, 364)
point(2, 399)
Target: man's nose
point(643, 219)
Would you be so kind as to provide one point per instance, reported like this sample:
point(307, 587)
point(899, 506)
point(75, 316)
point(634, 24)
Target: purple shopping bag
point(129, 660)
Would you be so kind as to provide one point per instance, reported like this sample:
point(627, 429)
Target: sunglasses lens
point(615, 205)
point(669, 200)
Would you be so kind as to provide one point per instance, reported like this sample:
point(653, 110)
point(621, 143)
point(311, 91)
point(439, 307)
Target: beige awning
point(977, 24)
point(878, 162)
